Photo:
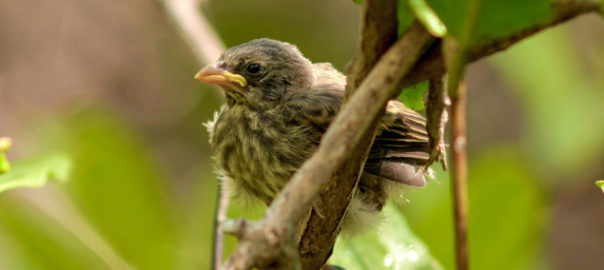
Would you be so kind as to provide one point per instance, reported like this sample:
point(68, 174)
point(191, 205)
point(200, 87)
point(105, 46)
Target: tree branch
point(222, 204)
point(459, 175)
point(432, 64)
point(195, 29)
point(456, 58)
point(378, 32)
point(437, 118)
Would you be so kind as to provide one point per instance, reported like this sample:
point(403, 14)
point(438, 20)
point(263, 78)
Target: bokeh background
point(110, 83)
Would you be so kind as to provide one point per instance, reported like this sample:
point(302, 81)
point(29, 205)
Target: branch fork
point(273, 247)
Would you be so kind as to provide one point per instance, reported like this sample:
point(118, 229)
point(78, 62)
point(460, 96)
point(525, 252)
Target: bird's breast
point(258, 150)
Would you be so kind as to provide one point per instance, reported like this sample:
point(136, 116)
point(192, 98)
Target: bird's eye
point(253, 68)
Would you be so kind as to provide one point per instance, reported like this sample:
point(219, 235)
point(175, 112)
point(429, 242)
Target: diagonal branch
point(195, 29)
point(378, 32)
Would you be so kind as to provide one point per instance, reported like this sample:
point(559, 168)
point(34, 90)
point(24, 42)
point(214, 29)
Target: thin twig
point(195, 29)
point(222, 204)
point(459, 168)
point(437, 118)
point(459, 175)
point(207, 47)
point(456, 57)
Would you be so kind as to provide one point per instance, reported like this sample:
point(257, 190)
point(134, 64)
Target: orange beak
point(213, 75)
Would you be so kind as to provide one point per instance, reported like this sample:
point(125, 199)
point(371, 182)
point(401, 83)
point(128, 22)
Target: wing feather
point(401, 145)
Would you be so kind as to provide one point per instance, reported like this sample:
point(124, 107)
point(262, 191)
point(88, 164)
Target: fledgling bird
point(278, 105)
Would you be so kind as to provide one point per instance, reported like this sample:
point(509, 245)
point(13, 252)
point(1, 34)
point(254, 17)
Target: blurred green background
point(110, 83)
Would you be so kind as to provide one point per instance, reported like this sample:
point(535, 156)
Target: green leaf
point(496, 19)
point(600, 184)
point(428, 17)
point(413, 97)
point(4, 165)
point(36, 172)
point(393, 246)
point(5, 144)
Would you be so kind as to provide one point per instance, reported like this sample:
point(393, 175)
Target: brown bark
point(378, 32)
point(437, 118)
point(459, 175)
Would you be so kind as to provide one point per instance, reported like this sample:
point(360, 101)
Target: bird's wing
point(314, 109)
point(317, 106)
point(401, 146)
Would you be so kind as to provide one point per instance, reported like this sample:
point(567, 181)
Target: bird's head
point(259, 73)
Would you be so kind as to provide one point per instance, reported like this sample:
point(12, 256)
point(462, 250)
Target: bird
point(278, 106)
